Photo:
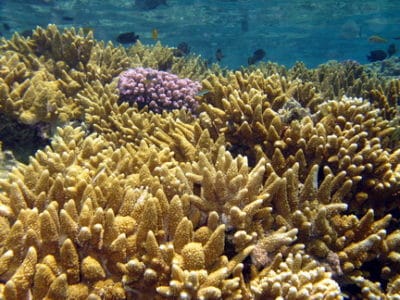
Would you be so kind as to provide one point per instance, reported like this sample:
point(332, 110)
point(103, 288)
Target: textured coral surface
point(281, 186)
point(158, 90)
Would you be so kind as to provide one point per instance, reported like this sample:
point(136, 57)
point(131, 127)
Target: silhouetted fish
point(67, 18)
point(392, 49)
point(219, 55)
point(376, 55)
point(149, 4)
point(182, 49)
point(258, 55)
point(127, 38)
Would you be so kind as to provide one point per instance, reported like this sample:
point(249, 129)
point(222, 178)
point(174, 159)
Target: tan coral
point(270, 184)
point(260, 119)
point(297, 277)
point(108, 234)
point(42, 75)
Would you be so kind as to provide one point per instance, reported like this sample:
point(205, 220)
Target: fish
point(6, 26)
point(219, 55)
point(149, 4)
point(67, 18)
point(202, 92)
point(182, 49)
point(376, 55)
point(392, 49)
point(258, 55)
point(376, 39)
point(154, 34)
point(127, 38)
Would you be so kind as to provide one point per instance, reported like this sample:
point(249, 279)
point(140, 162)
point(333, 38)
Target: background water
point(288, 30)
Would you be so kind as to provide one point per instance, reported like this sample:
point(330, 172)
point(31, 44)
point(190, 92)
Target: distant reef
point(277, 183)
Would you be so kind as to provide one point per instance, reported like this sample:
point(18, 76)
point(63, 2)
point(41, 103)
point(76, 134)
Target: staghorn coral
point(7, 162)
point(164, 59)
point(298, 277)
point(333, 80)
point(52, 67)
point(69, 46)
point(148, 224)
point(273, 191)
point(259, 118)
point(145, 213)
point(45, 82)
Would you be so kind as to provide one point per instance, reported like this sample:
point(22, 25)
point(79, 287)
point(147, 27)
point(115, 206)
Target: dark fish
point(376, 55)
point(392, 49)
point(182, 49)
point(149, 4)
point(258, 55)
point(6, 26)
point(67, 18)
point(219, 55)
point(127, 38)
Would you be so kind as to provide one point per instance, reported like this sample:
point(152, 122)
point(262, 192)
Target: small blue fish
point(202, 92)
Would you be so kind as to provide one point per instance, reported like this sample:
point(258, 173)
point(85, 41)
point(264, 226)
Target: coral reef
point(42, 75)
point(286, 122)
point(334, 79)
point(273, 190)
point(158, 90)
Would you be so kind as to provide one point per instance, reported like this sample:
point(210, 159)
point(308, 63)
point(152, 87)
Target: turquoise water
point(288, 31)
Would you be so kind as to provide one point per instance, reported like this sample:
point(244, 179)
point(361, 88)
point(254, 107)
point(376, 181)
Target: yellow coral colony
point(273, 192)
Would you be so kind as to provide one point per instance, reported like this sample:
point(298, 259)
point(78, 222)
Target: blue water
point(289, 31)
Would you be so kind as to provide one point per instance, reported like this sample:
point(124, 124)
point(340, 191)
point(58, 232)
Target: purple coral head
point(158, 90)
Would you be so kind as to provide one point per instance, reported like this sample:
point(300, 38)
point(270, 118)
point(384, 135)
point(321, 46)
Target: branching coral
point(137, 221)
point(143, 230)
point(273, 191)
point(63, 62)
point(347, 135)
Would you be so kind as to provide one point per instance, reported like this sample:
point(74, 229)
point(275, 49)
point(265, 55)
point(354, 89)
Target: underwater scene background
point(311, 31)
point(159, 149)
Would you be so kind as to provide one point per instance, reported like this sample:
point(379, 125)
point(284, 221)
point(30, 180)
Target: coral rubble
point(277, 188)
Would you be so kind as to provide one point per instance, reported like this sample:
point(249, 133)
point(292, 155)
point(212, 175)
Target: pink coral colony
point(159, 90)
